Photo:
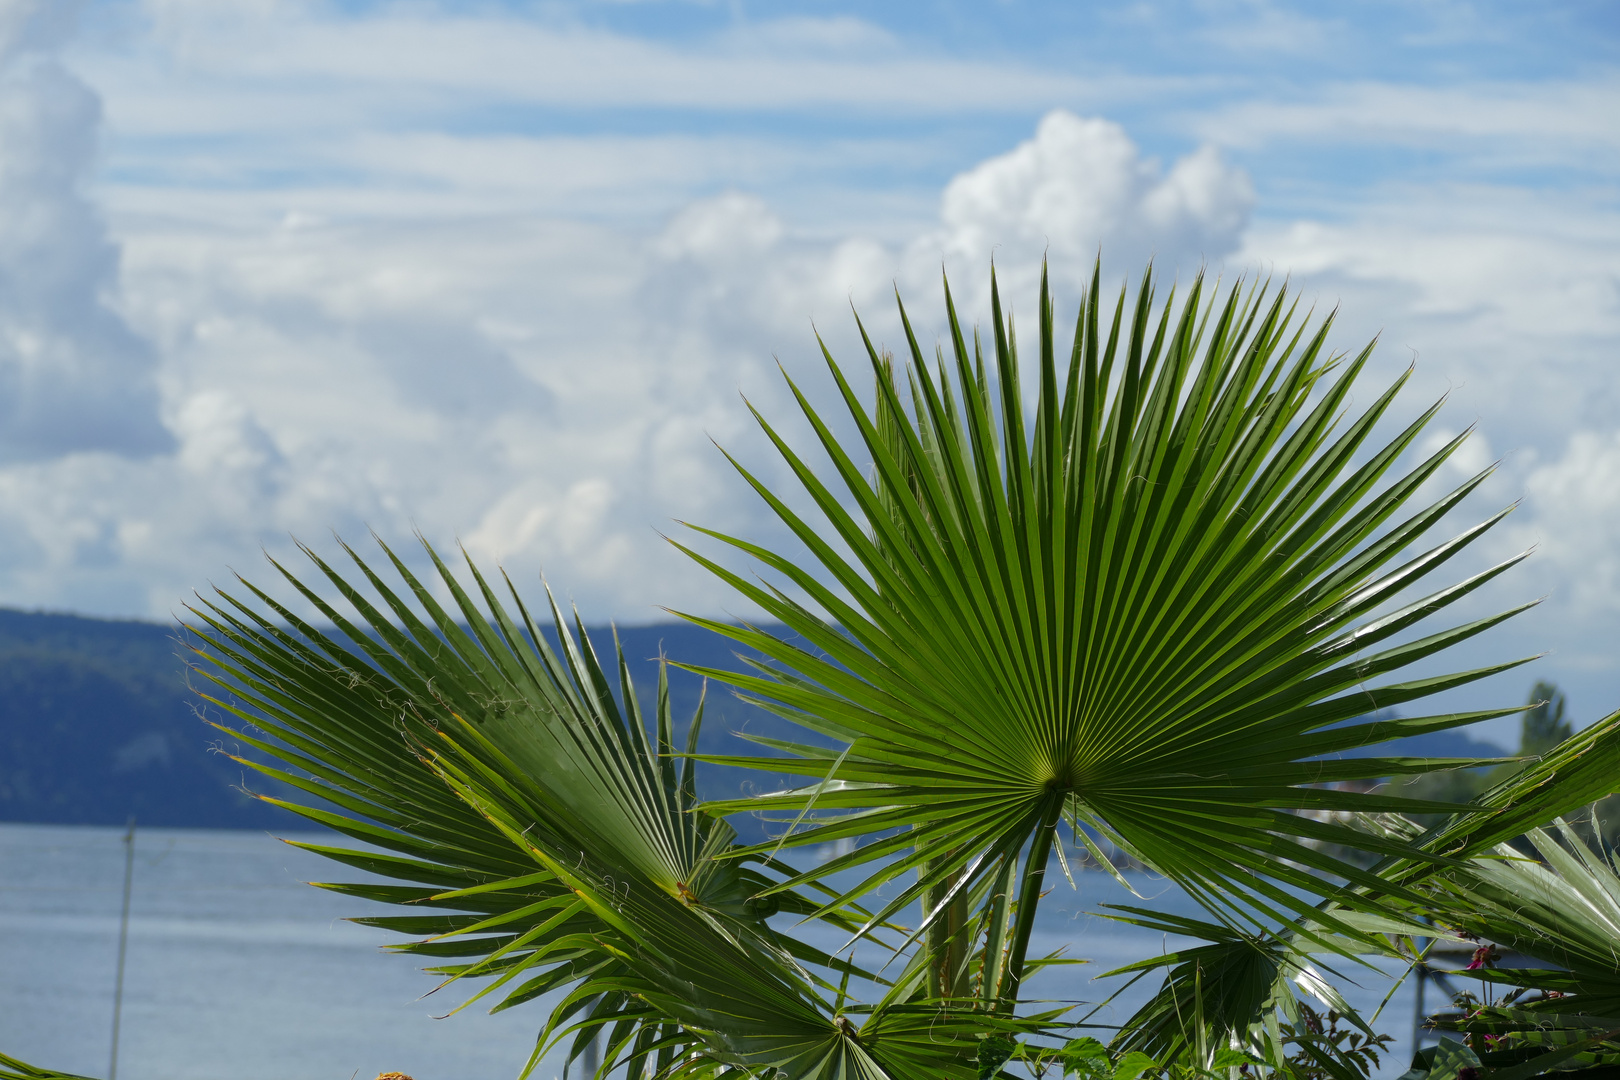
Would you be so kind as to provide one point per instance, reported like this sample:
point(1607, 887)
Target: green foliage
point(994, 1050)
point(1243, 991)
point(547, 840)
point(1544, 726)
point(1323, 1049)
point(1146, 613)
point(1150, 609)
point(1563, 912)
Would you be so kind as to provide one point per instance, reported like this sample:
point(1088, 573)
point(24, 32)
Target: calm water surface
point(238, 969)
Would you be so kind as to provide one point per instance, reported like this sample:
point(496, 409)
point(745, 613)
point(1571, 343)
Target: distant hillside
point(97, 724)
point(1450, 744)
point(1439, 744)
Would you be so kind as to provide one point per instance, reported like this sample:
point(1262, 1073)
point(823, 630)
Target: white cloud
point(1507, 299)
point(72, 374)
point(1575, 501)
point(1079, 187)
point(404, 57)
point(572, 525)
point(545, 390)
point(729, 285)
point(717, 231)
point(361, 308)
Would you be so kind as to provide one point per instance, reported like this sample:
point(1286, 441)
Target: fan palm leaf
point(1157, 605)
point(545, 840)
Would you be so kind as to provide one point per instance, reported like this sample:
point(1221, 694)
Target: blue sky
point(497, 271)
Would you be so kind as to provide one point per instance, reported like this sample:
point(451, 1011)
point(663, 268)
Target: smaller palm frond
point(1156, 607)
point(1216, 992)
point(543, 839)
point(1246, 991)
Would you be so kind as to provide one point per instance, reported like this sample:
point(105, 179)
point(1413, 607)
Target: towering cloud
point(1080, 186)
point(73, 376)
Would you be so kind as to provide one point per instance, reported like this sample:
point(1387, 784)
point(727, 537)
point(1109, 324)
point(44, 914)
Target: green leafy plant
point(559, 831)
point(1131, 595)
point(1140, 614)
point(1562, 911)
point(1325, 1049)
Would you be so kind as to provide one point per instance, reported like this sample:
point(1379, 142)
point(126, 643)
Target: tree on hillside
point(1544, 726)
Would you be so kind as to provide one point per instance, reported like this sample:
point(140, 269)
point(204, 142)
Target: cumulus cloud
point(1081, 185)
point(546, 392)
point(1575, 501)
point(221, 441)
point(363, 313)
point(73, 376)
point(727, 270)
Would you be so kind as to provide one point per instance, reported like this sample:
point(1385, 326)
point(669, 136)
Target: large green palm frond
point(1153, 607)
point(544, 840)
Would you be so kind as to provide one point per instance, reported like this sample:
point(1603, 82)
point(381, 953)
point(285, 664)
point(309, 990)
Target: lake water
point(237, 969)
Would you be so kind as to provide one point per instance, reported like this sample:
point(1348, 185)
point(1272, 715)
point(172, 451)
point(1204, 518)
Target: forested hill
point(97, 724)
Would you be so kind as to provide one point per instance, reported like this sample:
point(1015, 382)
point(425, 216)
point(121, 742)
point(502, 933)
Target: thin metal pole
point(123, 945)
point(1417, 1005)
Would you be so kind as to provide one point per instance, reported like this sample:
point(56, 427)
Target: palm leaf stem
point(1029, 894)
